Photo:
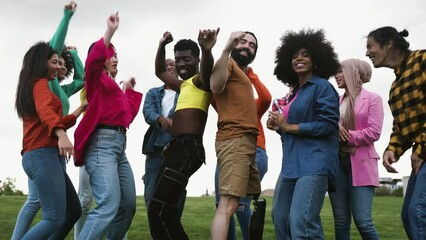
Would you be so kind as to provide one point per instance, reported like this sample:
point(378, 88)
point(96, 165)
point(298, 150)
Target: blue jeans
point(85, 196)
point(113, 186)
point(27, 213)
point(298, 204)
point(29, 210)
point(153, 165)
point(58, 199)
point(414, 207)
point(243, 212)
point(359, 201)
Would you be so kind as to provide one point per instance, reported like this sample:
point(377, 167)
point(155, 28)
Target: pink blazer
point(368, 127)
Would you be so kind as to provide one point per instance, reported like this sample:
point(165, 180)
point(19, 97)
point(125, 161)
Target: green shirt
point(57, 43)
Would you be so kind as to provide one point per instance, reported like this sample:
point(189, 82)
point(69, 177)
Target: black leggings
point(183, 157)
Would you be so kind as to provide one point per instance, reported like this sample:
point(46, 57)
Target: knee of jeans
point(85, 202)
point(56, 221)
point(365, 226)
point(342, 221)
point(129, 208)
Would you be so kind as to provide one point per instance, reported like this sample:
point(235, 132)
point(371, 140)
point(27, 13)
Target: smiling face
point(171, 67)
point(302, 62)
point(377, 53)
point(186, 64)
point(52, 67)
point(244, 52)
point(62, 69)
point(340, 79)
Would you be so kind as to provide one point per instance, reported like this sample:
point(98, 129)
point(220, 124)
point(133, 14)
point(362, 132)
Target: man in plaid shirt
point(386, 47)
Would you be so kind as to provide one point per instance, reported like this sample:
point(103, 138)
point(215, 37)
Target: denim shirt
point(155, 137)
point(314, 150)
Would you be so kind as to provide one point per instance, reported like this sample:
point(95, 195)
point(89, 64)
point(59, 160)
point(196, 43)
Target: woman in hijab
point(360, 125)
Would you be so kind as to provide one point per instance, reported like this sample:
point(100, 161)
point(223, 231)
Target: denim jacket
point(314, 150)
point(155, 136)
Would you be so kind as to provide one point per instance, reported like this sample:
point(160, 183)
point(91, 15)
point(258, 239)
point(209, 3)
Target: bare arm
point(206, 40)
point(219, 77)
point(160, 64)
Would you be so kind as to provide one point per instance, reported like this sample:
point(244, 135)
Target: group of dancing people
point(327, 139)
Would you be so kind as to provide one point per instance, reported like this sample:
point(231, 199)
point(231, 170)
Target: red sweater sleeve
point(264, 96)
point(134, 99)
point(262, 102)
point(44, 104)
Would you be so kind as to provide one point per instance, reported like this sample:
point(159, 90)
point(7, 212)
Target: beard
point(243, 61)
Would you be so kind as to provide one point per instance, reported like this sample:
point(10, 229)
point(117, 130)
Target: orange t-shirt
point(235, 105)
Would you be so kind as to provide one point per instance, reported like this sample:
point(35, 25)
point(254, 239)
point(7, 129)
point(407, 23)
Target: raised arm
point(78, 79)
point(58, 39)
point(219, 76)
point(160, 64)
point(113, 22)
point(206, 39)
point(101, 51)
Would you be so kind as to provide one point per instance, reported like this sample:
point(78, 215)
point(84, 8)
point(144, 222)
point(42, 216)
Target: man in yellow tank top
point(185, 154)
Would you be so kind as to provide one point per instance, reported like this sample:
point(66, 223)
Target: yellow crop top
point(192, 97)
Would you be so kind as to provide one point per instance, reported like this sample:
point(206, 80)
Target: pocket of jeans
point(200, 153)
point(107, 135)
point(28, 160)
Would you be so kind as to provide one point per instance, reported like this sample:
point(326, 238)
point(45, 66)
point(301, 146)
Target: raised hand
point(70, 48)
point(113, 21)
point(234, 39)
point(167, 38)
point(207, 38)
point(72, 6)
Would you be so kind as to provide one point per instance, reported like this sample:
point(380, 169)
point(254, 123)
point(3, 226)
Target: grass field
point(199, 212)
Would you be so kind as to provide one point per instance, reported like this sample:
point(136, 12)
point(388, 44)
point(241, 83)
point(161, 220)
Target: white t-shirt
point(168, 100)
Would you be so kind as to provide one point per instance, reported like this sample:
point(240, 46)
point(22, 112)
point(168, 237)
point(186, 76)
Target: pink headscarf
point(355, 72)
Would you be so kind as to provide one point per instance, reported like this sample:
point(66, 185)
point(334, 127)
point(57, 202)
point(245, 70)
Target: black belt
point(112, 127)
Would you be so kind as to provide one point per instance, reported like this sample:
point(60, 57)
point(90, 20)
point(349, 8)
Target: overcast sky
point(142, 23)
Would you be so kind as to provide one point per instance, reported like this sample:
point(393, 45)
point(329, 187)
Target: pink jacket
point(368, 127)
point(107, 102)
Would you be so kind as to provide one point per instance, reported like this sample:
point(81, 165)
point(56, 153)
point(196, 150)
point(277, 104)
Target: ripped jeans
point(183, 157)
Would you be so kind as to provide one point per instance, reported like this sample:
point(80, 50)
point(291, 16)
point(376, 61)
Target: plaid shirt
point(407, 101)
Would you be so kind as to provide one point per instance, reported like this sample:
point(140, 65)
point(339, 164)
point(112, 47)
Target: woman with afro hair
point(309, 131)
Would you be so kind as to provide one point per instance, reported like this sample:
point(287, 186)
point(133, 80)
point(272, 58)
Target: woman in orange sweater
point(46, 144)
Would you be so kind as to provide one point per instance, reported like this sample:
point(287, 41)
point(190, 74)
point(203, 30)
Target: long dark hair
point(69, 61)
point(34, 66)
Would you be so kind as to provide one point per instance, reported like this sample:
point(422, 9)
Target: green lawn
point(199, 213)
